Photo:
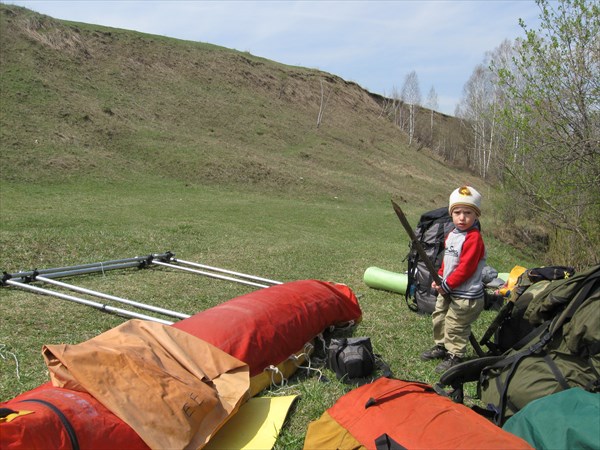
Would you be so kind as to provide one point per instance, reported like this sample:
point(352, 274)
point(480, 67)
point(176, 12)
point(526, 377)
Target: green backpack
point(562, 352)
point(567, 419)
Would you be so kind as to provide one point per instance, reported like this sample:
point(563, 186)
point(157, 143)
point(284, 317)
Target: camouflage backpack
point(561, 352)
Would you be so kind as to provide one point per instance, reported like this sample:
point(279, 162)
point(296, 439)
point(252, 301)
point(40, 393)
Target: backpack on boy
point(431, 232)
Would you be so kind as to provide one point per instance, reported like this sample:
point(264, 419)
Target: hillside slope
point(116, 143)
point(86, 101)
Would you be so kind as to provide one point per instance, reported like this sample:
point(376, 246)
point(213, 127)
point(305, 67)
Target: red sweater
point(464, 260)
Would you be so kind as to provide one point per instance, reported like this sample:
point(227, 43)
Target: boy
point(463, 263)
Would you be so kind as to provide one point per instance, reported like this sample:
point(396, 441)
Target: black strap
point(385, 442)
point(397, 389)
point(412, 306)
point(383, 366)
point(68, 427)
point(487, 413)
point(338, 369)
point(593, 385)
point(557, 373)
point(5, 412)
point(476, 345)
point(503, 315)
point(529, 336)
point(503, 388)
point(512, 360)
point(535, 348)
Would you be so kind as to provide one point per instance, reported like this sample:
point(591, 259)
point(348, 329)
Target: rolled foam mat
point(377, 278)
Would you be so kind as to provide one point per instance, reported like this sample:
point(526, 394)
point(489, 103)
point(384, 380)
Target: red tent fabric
point(262, 328)
point(265, 327)
point(392, 413)
point(64, 419)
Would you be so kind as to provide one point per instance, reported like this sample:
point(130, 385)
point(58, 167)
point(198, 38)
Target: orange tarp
point(172, 388)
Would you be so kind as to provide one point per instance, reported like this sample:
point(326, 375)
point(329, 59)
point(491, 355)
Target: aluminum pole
point(69, 273)
point(217, 269)
point(90, 267)
point(119, 311)
point(213, 275)
point(27, 276)
point(166, 312)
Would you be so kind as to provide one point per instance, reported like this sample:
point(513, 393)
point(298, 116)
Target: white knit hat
point(465, 196)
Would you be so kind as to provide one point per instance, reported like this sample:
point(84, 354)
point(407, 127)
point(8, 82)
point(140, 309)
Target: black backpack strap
point(476, 345)
point(593, 385)
point(557, 373)
point(513, 361)
point(333, 352)
point(503, 387)
point(487, 413)
point(529, 336)
point(502, 315)
point(411, 305)
point(5, 412)
point(384, 396)
point(382, 366)
point(63, 419)
point(385, 442)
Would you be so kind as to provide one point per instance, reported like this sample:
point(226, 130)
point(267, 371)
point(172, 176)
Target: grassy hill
point(116, 143)
point(83, 101)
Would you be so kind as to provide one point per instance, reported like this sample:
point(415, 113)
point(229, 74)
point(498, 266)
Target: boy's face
point(463, 217)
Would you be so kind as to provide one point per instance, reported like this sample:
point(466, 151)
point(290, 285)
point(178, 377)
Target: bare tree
point(323, 104)
point(483, 98)
point(475, 108)
point(411, 94)
point(387, 106)
point(432, 104)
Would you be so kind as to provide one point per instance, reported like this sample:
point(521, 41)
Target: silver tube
point(217, 269)
point(136, 259)
point(208, 274)
point(24, 276)
point(166, 312)
point(95, 267)
point(82, 301)
point(69, 273)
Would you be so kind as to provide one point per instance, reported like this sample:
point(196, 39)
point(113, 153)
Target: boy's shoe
point(435, 352)
point(449, 361)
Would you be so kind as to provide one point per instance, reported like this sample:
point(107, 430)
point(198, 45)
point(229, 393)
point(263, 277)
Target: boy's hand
point(438, 288)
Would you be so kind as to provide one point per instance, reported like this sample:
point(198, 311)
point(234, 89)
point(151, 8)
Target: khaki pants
point(452, 322)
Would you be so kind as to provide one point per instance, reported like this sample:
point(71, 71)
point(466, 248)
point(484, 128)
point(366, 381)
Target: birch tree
point(411, 94)
point(432, 104)
point(476, 108)
point(483, 99)
point(323, 103)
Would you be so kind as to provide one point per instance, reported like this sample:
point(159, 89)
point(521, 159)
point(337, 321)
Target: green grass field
point(118, 144)
point(281, 238)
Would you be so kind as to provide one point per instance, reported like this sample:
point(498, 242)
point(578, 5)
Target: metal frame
point(24, 280)
point(216, 269)
point(103, 307)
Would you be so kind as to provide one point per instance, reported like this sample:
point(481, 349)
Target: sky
point(375, 44)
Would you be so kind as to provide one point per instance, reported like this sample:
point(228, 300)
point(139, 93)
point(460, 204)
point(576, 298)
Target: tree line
point(529, 122)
